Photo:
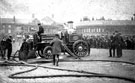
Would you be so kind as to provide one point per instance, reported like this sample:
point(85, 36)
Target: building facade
point(18, 29)
point(106, 27)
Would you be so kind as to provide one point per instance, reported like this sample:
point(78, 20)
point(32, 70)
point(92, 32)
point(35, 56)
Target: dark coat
point(25, 46)
point(119, 42)
point(56, 46)
point(9, 43)
point(41, 30)
point(6, 44)
point(3, 45)
point(36, 39)
point(112, 42)
point(24, 50)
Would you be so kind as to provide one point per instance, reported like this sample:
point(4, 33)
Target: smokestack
point(33, 16)
point(0, 20)
point(14, 19)
point(70, 24)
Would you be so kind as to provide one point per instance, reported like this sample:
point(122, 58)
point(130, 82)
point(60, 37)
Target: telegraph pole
point(134, 16)
point(0, 23)
point(0, 20)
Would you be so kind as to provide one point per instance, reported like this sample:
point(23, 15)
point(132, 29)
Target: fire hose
point(87, 74)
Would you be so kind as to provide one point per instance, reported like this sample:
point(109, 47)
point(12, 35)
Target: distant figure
point(112, 45)
point(128, 43)
point(56, 44)
point(119, 44)
point(40, 31)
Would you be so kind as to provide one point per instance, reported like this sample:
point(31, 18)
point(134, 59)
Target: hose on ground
point(87, 74)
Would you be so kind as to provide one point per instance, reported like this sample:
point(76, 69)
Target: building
point(106, 27)
point(20, 27)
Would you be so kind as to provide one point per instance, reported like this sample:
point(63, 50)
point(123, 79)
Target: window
point(9, 26)
point(3, 26)
point(99, 30)
point(103, 30)
point(93, 30)
point(18, 29)
point(83, 30)
point(89, 30)
point(9, 31)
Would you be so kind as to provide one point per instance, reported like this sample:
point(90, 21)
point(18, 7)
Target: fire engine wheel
point(40, 53)
point(80, 48)
point(47, 52)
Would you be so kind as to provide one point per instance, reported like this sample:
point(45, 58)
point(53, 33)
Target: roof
point(12, 20)
point(47, 20)
point(106, 22)
point(6, 20)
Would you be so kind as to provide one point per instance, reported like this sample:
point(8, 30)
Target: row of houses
point(18, 28)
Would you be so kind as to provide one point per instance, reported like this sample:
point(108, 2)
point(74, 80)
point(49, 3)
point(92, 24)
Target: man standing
point(119, 44)
point(56, 44)
point(9, 46)
point(112, 45)
point(41, 30)
point(3, 47)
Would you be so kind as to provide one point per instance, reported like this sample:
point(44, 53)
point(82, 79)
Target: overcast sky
point(64, 10)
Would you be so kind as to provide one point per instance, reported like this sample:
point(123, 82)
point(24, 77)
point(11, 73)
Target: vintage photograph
point(67, 41)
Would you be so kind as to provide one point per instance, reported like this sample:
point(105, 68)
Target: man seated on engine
point(37, 36)
point(40, 31)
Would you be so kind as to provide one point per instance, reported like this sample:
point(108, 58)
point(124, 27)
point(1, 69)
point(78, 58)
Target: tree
point(102, 18)
point(86, 19)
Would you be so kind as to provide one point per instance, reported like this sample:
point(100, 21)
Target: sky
point(65, 10)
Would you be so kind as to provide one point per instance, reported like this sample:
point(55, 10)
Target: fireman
point(56, 44)
point(40, 31)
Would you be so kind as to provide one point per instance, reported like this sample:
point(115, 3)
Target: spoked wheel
point(47, 52)
point(80, 48)
point(39, 50)
point(40, 53)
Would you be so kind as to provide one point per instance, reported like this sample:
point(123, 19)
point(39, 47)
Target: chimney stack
point(70, 24)
point(14, 19)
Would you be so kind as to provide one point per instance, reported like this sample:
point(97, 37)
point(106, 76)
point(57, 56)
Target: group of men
point(115, 45)
point(28, 46)
point(56, 44)
point(6, 47)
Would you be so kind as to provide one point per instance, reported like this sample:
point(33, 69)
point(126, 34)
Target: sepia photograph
point(67, 41)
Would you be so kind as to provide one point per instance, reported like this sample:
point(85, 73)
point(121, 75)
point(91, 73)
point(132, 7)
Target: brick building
point(20, 27)
point(126, 27)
